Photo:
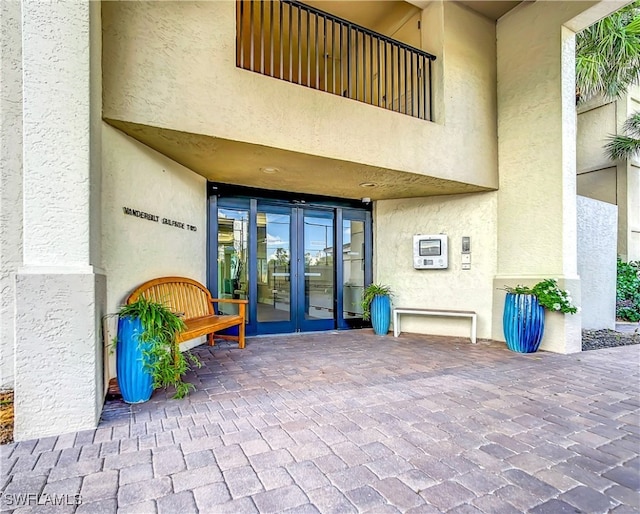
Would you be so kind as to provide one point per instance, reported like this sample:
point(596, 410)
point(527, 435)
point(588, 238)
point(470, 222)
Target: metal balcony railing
point(292, 41)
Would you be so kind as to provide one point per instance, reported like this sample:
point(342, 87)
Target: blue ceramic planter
point(381, 314)
point(134, 380)
point(523, 322)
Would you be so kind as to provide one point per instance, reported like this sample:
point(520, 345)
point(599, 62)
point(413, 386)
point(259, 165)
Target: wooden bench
point(194, 303)
point(434, 312)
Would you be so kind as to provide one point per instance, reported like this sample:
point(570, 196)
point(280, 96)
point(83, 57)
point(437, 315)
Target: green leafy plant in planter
point(376, 305)
point(161, 355)
point(549, 296)
point(369, 293)
point(523, 318)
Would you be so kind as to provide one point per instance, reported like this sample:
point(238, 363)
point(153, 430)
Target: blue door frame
point(335, 211)
point(306, 218)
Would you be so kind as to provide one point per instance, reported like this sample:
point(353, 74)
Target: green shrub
point(162, 358)
point(628, 291)
point(549, 295)
point(369, 293)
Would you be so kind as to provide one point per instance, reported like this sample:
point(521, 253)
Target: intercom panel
point(430, 251)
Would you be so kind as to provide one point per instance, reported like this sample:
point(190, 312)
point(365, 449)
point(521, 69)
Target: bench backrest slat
point(180, 294)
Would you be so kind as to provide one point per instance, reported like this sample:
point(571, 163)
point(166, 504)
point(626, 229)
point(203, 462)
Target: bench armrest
point(242, 305)
point(228, 300)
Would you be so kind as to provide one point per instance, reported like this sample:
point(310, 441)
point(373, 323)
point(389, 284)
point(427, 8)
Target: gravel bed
point(597, 339)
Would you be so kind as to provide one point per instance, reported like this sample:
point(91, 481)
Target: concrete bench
point(434, 312)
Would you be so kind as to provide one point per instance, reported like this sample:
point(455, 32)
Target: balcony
point(171, 80)
point(298, 43)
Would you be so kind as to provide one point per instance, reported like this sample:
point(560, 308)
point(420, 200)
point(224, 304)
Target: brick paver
point(351, 422)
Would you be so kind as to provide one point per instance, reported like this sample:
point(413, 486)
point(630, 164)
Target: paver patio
point(352, 422)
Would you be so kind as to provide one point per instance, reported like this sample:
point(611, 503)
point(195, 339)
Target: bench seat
point(197, 327)
point(434, 312)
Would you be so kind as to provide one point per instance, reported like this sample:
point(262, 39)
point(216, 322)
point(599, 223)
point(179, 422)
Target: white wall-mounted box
point(430, 251)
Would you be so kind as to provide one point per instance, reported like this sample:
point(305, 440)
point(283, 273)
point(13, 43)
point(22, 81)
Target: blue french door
point(316, 269)
point(302, 268)
point(353, 270)
point(295, 269)
point(276, 294)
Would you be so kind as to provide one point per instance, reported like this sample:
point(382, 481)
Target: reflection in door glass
point(233, 228)
point(318, 268)
point(353, 266)
point(274, 267)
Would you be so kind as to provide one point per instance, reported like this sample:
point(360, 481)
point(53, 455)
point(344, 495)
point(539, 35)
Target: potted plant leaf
point(147, 356)
point(376, 304)
point(523, 318)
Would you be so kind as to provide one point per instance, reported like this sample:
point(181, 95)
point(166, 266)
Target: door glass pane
point(318, 267)
point(233, 229)
point(274, 267)
point(353, 266)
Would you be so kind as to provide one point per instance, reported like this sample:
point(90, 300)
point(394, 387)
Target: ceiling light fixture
point(269, 170)
point(367, 184)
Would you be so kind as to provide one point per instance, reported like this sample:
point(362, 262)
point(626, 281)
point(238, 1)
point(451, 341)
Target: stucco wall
point(537, 179)
point(600, 184)
point(615, 182)
point(56, 88)
point(537, 225)
point(473, 215)
point(633, 189)
point(633, 221)
point(596, 121)
point(59, 358)
point(172, 64)
point(597, 230)
point(10, 179)
point(469, 77)
point(136, 249)
point(59, 292)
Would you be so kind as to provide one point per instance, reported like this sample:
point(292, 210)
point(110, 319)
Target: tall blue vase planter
point(134, 380)
point(523, 322)
point(380, 314)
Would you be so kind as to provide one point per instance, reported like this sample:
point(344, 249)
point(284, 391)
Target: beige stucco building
point(617, 183)
point(421, 117)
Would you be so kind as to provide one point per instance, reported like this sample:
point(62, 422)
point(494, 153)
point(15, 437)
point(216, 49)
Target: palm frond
point(631, 126)
point(608, 54)
point(622, 147)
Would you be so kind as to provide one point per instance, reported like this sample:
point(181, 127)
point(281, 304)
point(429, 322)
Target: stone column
point(60, 293)
point(537, 156)
point(10, 179)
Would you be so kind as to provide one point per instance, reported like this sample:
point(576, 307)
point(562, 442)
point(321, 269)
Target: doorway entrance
point(301, 263)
